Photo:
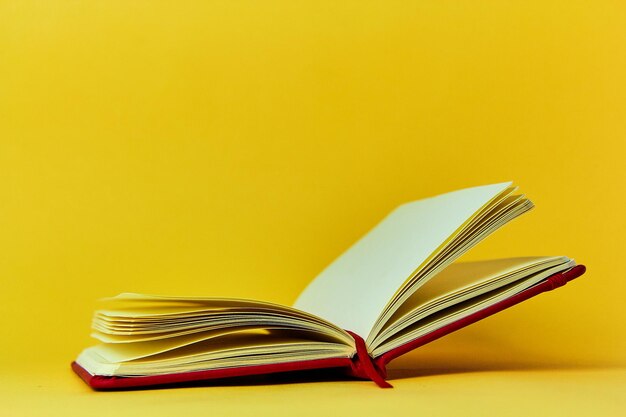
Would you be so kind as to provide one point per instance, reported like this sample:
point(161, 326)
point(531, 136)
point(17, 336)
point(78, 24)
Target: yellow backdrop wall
point(236, 148)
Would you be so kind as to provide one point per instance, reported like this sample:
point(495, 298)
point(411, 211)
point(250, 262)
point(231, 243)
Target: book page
point(150, 335)
point(232, 349)
point(462, 281)
point(353, 290)
point(419, 324)
point(131, 318)
point(464, 277)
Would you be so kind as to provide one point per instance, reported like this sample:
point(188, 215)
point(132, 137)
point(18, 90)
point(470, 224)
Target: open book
point(395, 289)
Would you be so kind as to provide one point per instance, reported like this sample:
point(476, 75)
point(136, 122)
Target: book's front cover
point(100, 382)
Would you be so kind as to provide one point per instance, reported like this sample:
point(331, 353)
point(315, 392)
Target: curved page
point(353, 291)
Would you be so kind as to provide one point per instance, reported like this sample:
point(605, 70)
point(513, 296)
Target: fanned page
point(460, 290)
point(362, 288)
point(152, 335)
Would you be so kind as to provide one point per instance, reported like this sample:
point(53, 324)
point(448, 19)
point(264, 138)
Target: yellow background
point(235, 148)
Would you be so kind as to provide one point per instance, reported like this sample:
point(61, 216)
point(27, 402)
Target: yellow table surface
point(573, 392)
point(451, 377)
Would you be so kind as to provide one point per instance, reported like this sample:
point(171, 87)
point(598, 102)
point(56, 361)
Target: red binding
point(364, 367)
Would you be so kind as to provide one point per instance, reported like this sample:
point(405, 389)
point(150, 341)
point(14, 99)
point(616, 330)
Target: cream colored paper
point(353, 290)
point(462, 281)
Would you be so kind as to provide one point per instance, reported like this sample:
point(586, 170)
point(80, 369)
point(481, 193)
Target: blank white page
point(355, 288)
